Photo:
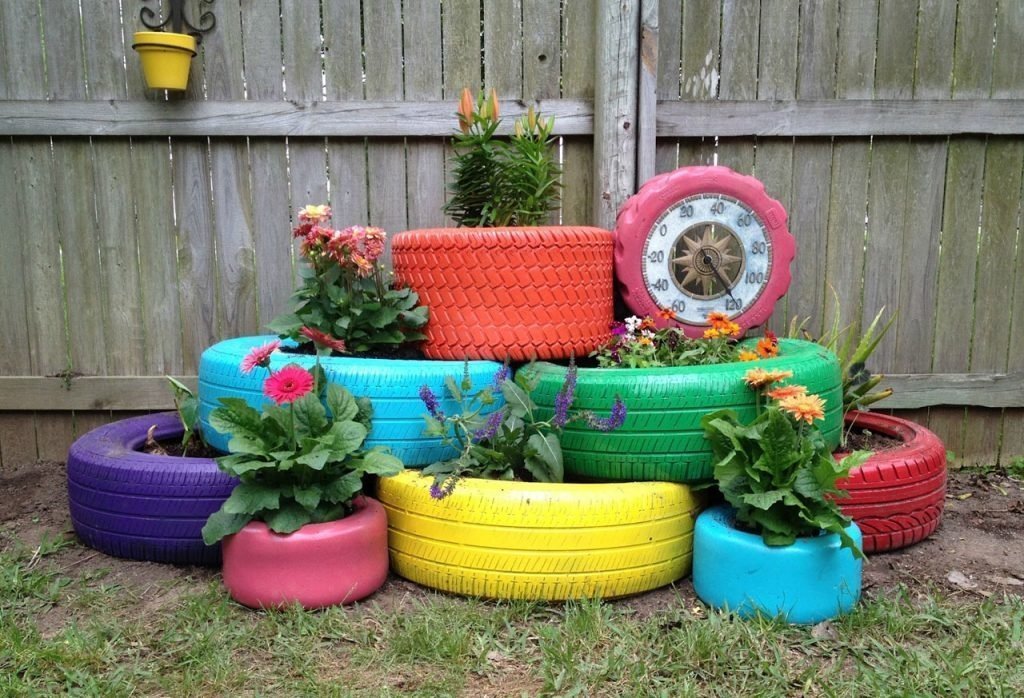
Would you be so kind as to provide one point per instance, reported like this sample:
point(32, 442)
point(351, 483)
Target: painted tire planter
point(338, 562)
point(517, 293)
point(392, 384)
point(807, 582)
point(662, 438)
point(140, 506)
point(519, 540)
point(897, 496)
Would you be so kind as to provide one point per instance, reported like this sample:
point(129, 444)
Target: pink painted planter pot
point(319, 565)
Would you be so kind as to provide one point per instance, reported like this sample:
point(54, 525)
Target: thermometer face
point(700, 240)
point(707, 253)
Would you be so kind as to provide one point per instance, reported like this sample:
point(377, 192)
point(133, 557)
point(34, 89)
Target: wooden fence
point(138, 229)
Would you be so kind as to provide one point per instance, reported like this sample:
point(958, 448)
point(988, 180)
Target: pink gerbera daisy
point(288, 384)
point(322, 339)
point(259, 356)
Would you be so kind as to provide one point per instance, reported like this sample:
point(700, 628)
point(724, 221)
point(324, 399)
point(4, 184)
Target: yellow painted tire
point(525, 540)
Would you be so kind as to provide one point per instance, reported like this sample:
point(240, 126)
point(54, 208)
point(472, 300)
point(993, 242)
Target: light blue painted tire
point(812, 580)
point(392, 385)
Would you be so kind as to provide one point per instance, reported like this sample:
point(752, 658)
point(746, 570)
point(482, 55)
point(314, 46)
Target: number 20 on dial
point(703, 239)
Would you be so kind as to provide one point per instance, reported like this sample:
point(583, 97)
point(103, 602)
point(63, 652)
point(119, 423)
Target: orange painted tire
point(516, 293)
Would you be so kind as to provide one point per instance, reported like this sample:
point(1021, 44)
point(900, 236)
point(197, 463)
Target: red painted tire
point(319, 565)
point(516, 293)
point(639, 214)
point(141, 506)
point(897, 496)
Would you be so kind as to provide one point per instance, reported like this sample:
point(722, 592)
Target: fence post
point(615, 106)
point(647, 87)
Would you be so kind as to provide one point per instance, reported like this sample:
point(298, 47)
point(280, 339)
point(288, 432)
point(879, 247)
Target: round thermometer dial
point(701, 240)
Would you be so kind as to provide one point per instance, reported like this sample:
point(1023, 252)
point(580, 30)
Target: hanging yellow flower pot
point(166, 57)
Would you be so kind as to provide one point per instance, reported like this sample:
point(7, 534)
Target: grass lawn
point(899, 643)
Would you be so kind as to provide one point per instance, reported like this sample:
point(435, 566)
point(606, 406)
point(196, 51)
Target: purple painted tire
point(135, 505)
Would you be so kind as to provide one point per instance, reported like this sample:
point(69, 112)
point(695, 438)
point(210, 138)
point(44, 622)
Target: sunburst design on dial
point(707, 260)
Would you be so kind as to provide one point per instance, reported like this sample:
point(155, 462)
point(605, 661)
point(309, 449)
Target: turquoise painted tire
point(392, 385)
point(662, 438)
point(812, 580)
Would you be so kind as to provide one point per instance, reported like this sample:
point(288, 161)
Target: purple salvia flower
point(444, 489)
point(489, 430)
point(613, 421)
point(430, 400)
point(563, 401)
point(500, 377)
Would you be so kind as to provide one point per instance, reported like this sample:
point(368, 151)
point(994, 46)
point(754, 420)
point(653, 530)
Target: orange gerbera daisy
point(758, 377)
point(766, 348)
point(666, 314)
point(716, 318)
point(786, 391)
point(648, 323)
point(747, 355)
point(804, 407)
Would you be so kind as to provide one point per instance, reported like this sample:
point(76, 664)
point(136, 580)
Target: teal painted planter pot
point(392, 385)
point(812, 580)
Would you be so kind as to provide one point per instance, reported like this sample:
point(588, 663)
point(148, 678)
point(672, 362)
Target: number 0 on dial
point(703, 239)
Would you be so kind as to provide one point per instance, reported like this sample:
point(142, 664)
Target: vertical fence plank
point(965, 171)
point(578, 26)
point(891, 187)
point(33, 174)
point(740, 29)
point(701, 30)
point(851, 158)
point(812, 162)
point(1000, 220)
point(777, 69)
point(542, 60)
point(271, 239)
point(343, 64)
point(121, 289)
point(425, 157)
point(670, 33)
point(384, 81)
point(503, 46)
point(972, 73)
point(307, 157)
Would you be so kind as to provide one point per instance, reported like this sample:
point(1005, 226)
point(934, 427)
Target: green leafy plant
point(511, 442)
point(853, 351)
point(639, 343)
point(501, 182)
point(187, 405)
point(777, 472)
point(300, 460)
point(345, 291)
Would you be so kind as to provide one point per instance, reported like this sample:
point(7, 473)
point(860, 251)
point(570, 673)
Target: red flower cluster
point(355, 248)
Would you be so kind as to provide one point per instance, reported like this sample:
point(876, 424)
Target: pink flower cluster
point(355, 248)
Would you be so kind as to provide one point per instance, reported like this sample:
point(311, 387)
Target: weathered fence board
point(160, 223)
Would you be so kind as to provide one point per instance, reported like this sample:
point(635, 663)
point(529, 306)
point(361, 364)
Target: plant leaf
point(308, 497)
point(288, 519)
point(378, 462)
point(234, 417)
point(344, 438)
point(519, 403)
point(222, 524)
point(342, 489)
point(310, 415)
point(251, 498)
point(341, 403)
point(316, 459)
point(549, 451)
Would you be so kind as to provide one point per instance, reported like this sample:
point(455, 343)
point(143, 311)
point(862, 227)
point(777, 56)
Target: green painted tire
point(662, 438)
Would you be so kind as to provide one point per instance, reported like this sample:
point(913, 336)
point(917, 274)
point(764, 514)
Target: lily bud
point(519, 128)
point(465, 110)
point(494, 105)
point(531, 119)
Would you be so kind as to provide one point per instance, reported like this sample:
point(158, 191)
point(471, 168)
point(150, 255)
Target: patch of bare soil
point(977, 551)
